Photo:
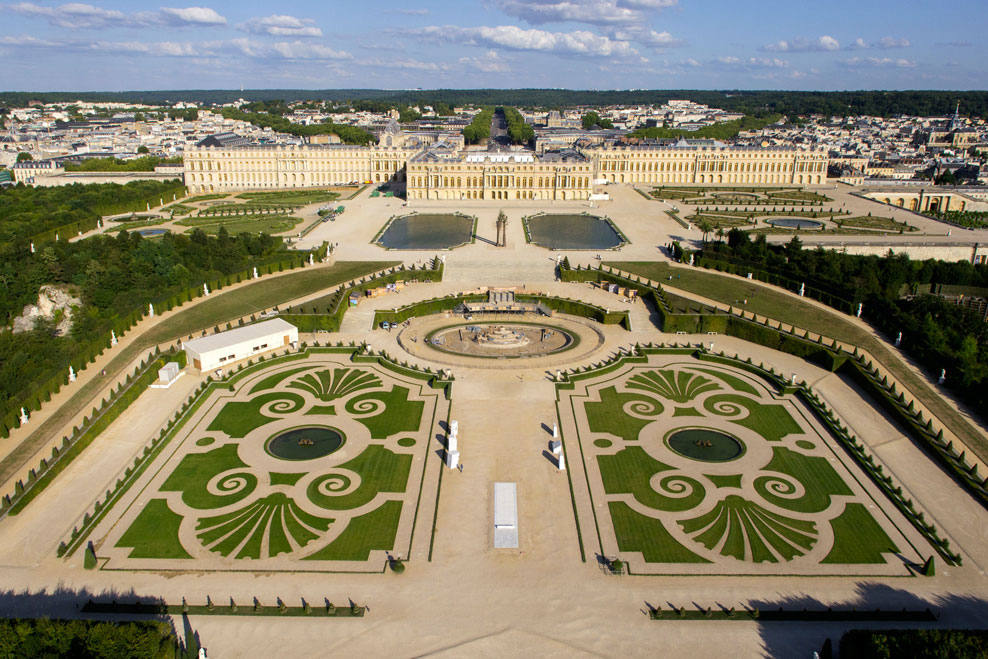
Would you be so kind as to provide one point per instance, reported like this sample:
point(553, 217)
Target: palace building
point(443, 169)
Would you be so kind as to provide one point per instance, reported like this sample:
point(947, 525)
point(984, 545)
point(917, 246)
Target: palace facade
point(444, 170)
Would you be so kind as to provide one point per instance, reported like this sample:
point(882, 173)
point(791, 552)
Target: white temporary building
point(224, 348)
point(505, 516)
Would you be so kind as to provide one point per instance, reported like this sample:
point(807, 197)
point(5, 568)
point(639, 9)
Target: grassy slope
point(218, 308)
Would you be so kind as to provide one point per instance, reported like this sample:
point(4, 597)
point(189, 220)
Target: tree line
point(895, 294)
point(837, 103)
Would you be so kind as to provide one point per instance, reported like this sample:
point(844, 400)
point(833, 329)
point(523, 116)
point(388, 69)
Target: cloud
point(594, 12)
point(411, 12)
point(885, 43)
point(72, 15)
point(646, 37)
point(751, 63)
point(289, 50)
point(160, 48)
point(188, 16)
point(490, 62)
point(407, 64)
point(280, 25)
point(878, 62)
point(890, 42)
point(578, 42)
point(77, 15)
point(825, 43)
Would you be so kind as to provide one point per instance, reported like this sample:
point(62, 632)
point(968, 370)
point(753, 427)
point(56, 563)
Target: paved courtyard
point(787, 536)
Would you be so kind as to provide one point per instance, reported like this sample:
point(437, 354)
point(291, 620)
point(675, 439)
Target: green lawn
point(858, 538)
point(154, 533)
point(272, 224)
point(291, 197)
point(204, 197)
point(636, 532)
point(879, 223)
point(630, 471)
point(203, 314)
point(793, 311)
point(375, 530)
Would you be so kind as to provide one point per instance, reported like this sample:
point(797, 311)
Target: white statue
point(24, 417)
point(113, 338)
point(802, 289)
point(255, 273)
point(898, 339)
point(150, 310)
point(71, 374)
point(860, 307)
point(32, 248)
point(561, 461)
point(205, 289)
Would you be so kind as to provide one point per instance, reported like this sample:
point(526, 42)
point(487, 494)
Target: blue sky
point(584, 44)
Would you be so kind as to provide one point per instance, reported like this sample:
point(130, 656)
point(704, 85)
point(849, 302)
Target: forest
point(895, 293)
point(142, 164)
point(113, 276)
point(87, 639)
point(725, 130)
point(839, 103)
point(348, 134)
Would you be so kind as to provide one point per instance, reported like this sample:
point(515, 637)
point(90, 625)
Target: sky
point(575, 44)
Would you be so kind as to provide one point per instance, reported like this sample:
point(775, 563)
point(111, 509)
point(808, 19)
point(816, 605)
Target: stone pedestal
point(452, 459)
point(556, 447)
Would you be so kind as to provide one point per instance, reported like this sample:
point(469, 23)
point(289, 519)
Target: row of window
point(500, 181)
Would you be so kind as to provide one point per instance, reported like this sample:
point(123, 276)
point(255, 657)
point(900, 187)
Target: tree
point(706, 227)
point(143, 149)
point(24, 156)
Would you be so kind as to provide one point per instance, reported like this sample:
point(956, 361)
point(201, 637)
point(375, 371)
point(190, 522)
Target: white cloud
point(161, 48)
point(489, 62)
point(72, 15)
point(594, 12)
point(280, 25)
point(879, 62)
point(190, 16)
point(411, 12)
point(885, 43)
point(26, 41)
point(646, 37)
point(751, 62)
point(407, 64)
point(77, 15)
point(891, 42)
point(578, 42)
point(800, 45)
point(290, 50)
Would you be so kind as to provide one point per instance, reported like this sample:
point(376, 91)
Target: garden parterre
point(323, 461)
point(694, 467)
